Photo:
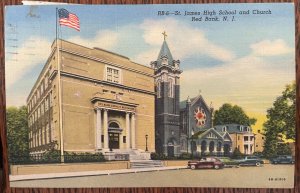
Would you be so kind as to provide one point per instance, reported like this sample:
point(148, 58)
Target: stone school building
point(107, 103)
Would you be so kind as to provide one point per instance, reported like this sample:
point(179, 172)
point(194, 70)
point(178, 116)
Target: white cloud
point(250, 82)
point(105, 39)
point(27, 57)
point(183, 39)
point(271, 48)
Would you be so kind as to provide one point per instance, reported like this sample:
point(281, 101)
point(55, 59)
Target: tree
point(17, 131)
point(228, 114)
point(236, 154)
point(281, 121)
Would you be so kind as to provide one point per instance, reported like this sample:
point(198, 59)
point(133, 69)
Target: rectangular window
point(42, 88)
point(53, 126)
point(46, 104)
point(124, 139)
point(47, 133)
point(50, 99)
point(46, 81)
point(102, 138)
point(113, 75)
point(37, 139)
point(42, 108)
point(42, 136)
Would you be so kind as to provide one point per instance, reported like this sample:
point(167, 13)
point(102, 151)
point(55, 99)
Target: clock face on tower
point(200, 117)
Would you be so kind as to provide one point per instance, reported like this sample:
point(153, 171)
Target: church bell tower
point(167, 75)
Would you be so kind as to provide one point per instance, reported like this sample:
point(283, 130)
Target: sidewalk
point(90, 173)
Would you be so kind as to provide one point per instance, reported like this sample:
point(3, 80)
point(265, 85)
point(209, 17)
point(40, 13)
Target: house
point(259, 141)
point(241, 135)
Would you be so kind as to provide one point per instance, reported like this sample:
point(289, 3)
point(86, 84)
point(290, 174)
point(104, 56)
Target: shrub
point(258, 154)
point(157, 156)
point(83, 157)
point(185, 156)
point(236, 154)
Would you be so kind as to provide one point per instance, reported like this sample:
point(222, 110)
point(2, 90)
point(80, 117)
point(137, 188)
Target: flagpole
point(59, 93)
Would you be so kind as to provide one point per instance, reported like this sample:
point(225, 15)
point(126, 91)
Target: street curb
point(13, 178)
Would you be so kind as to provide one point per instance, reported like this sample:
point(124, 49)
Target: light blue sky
point(246, 62)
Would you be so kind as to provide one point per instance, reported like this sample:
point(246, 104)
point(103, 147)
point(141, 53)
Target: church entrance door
point(170, 150)
point(114, 141)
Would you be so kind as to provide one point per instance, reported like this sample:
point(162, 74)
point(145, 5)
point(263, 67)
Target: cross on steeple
point(165, 35)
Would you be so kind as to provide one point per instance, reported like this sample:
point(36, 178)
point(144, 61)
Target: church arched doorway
point(203, 147)
point(211, 147)
point(170, 149)
point(226, 150)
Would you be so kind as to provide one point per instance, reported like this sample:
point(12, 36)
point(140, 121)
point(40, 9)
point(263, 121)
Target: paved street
point(275, 176)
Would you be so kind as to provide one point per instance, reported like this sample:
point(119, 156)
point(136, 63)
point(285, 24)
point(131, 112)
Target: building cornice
point(107, 62)
point(66, 74)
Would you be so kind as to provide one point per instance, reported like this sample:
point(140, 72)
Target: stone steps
point(129, 154)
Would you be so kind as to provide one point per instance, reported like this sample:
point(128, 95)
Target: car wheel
point(193, 167)
point(275, 162)
point(216, 167)
point(292, 162)
point(257, 164)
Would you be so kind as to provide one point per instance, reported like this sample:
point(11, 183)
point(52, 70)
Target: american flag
point(68, 19)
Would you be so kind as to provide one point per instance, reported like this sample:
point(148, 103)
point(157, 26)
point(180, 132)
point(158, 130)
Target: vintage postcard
point(191, 95)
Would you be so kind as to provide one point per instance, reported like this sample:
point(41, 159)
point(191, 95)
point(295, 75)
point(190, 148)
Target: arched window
point(219, 147)
point(203, 146)
point(171, 88)
point(114, 125)
point(158, 89)
point(211, 146)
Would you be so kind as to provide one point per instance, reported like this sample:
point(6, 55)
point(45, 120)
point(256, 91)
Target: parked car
point(283, 159)
point(229, 163)
point(207, 162)
point(251, 161)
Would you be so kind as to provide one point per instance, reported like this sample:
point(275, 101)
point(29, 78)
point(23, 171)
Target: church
point(167, 85)
point(182, 126)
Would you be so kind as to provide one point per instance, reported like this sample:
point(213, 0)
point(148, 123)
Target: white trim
point(82, 150)
point(77, 106)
